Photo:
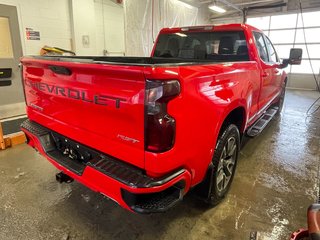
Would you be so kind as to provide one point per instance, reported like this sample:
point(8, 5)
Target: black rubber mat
point(12, 126)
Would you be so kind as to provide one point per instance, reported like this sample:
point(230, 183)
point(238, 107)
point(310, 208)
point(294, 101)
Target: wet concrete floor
point(275, 182)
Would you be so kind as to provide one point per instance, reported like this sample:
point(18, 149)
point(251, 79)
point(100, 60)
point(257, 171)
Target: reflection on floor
point(276, 180)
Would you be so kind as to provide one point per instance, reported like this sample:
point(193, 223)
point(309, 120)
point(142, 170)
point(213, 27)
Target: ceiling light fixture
point(216, 8)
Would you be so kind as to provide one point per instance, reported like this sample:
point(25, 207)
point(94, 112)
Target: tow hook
point(62, 177)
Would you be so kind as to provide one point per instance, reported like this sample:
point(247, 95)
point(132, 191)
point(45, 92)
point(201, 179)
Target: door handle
point(265, 74)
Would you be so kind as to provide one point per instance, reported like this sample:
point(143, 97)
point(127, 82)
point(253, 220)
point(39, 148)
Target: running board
point(262, 122)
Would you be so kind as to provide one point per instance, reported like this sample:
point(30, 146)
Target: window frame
point(7, 37)
point(269, 55)
point(255, 42)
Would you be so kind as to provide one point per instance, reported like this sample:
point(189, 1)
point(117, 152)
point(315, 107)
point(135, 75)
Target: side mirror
point(295, 56)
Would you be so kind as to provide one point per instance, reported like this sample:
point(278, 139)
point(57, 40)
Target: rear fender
point(216, 131)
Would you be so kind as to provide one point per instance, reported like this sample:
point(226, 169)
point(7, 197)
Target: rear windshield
point(216, 46)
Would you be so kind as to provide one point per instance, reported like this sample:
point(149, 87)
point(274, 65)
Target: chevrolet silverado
point(144, 131)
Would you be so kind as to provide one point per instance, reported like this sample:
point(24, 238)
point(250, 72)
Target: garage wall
point(60, 21)
point(109, 18)
point(51, 18)
point(97, 27)
point(145, 18)
point(203, 17)
point(301, 81)
point(83, 27)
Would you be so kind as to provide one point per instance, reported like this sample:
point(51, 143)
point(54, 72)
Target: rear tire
point(224, 163)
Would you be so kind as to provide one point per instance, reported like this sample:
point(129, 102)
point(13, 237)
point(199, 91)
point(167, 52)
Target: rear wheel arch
point(221, 169)
point(236, 116)
point(281, 96)
point(284, 81)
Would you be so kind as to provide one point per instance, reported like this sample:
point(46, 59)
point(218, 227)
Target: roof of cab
point(209, 28)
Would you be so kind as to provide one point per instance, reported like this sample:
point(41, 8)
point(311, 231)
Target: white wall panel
point(109, 18)
point(141, 29)
point(51, 18)
point(83, 27)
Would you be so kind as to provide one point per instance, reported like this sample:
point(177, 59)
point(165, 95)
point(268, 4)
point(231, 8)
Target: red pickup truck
point(143, 131)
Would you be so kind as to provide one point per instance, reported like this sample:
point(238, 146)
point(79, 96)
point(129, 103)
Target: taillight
point(160, 126)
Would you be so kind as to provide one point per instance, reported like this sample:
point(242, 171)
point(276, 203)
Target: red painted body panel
point(209, 92)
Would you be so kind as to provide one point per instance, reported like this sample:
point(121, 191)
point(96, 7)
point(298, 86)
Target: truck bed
point(137, 61)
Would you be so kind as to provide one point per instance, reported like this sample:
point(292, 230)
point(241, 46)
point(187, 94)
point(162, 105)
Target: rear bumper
point(127, 185)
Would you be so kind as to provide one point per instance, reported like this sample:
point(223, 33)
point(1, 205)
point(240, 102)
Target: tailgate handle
point(60, 70)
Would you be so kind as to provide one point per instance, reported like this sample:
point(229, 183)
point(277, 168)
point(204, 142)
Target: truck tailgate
point(98, 105)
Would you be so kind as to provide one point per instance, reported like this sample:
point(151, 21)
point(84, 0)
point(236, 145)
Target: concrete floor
point(276, 181)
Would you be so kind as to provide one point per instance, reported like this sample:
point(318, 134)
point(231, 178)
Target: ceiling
point(254, 7)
